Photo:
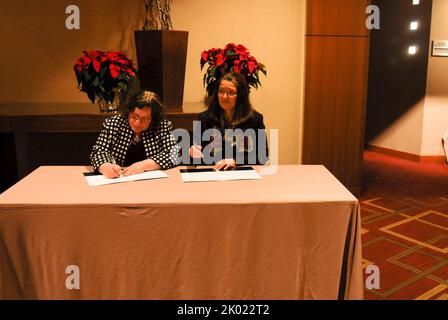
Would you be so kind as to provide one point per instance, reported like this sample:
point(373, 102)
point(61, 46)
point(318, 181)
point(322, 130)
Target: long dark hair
point(243, 108)
point(143, 99)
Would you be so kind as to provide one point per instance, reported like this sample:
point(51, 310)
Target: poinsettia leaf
point(122, 76)
point(103, 72)
point(114, 70)
point(96, 81)
point(91, 95)
point(86, 76)
point(100, 74)
point(235, 58)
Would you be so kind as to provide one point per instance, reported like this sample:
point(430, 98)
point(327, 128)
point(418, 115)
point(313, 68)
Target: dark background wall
point(8, 161)
point(397, 80)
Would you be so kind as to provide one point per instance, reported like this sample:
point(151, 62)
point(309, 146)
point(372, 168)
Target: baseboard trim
point(407, 156)
point(433, 159)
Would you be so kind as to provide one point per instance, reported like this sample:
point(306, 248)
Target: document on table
point(99, 179)
point(210, 174)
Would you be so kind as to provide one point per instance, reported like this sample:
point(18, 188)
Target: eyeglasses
point(134, 117)
point(229, 93)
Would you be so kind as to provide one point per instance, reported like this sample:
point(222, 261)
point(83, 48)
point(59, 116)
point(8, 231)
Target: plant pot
point(109, 107)
point(161, 57)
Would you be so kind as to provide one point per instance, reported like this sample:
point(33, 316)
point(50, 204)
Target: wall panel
point(337, 53)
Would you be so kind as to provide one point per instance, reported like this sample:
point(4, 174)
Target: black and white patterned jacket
point(115, 139)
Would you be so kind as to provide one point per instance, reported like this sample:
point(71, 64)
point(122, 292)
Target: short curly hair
point(146, 99)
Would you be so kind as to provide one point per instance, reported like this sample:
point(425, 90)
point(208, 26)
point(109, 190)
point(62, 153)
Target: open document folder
point(210, 174)
point(99, 180)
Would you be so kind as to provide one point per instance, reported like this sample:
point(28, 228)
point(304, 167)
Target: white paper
point(199, 176)
point(99, 180)
point(226, 175)
point(238, 175)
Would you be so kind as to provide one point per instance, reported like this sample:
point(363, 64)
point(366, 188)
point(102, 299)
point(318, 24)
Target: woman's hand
point(225, 164)
point(135, 168)
point(140, 167)
point(195, 152)
point(110, 170)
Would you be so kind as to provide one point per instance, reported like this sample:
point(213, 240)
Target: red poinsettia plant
point(235, 58)
point(104, 74)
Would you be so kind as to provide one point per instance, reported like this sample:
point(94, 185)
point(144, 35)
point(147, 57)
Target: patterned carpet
point(405, 233)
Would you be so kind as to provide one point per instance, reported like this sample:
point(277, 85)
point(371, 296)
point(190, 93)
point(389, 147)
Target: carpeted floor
point(404, 210)
point(389, 176)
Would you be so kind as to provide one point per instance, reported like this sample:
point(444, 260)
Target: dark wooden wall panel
point(337, 17)
point(337, 55)
point(336, 89)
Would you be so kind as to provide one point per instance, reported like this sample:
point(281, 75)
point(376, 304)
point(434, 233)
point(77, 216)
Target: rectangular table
point(292, 235)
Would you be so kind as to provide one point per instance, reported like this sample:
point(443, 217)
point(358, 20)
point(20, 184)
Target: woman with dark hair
point(138, 139)
point(236, 132)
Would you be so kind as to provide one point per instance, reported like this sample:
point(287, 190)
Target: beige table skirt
point(164, 239)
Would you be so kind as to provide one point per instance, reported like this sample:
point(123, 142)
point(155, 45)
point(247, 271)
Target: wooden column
point(337, 59)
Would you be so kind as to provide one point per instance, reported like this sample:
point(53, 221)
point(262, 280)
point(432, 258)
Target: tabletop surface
point(66, 185)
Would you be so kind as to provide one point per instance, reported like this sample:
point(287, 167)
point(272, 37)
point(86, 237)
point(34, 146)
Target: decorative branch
point(157, 15)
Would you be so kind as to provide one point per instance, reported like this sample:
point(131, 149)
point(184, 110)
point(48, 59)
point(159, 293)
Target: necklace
point(136, 139)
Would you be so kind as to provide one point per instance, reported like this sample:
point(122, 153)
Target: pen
point(114, 162)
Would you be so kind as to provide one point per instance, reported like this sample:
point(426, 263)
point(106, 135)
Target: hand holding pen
point(195, 151)
point(111, 170)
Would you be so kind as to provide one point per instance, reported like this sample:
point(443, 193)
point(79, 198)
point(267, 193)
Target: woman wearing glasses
point(234, 131)
point(137, 140)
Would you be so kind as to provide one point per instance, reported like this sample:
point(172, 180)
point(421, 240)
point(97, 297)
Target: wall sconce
point(412, 50)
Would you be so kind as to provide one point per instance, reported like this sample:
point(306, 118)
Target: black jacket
point(248, 145)
point(115, 138)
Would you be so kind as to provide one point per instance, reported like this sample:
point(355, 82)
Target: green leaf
point(122, 86)
point(103, 72)
point(96, 82)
